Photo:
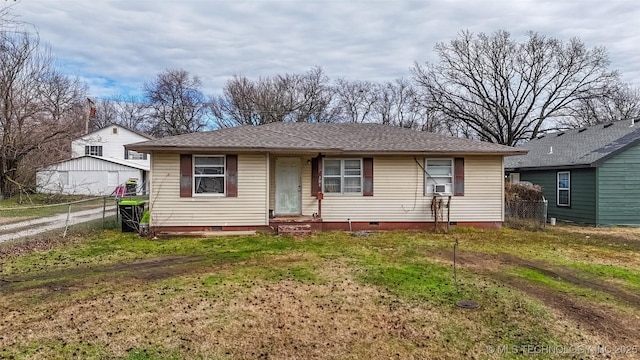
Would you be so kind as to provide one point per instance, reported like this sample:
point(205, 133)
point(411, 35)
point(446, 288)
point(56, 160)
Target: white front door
point(287, 186)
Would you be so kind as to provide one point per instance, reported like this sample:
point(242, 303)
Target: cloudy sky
point(117, 45)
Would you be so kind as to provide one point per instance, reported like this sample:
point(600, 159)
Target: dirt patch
point(488, 263)
point(598, 320)
point(11, 220)
point(624, 234)
point(148, 269)
point(27, 246)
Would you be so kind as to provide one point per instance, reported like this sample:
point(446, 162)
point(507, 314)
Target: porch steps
point(294, 229)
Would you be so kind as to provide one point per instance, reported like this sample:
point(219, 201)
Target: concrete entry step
point(294, 230)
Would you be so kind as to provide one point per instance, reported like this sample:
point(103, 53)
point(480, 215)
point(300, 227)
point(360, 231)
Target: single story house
point(328, 176)
point(589, 175)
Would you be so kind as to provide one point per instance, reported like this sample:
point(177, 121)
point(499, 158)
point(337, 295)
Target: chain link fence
point(526, 214)
point(21, 221)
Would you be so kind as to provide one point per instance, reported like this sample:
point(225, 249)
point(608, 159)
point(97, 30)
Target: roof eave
point(554, 167)
point(153, 148)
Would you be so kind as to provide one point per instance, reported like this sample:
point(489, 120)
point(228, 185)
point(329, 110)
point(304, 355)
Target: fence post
point(66, 224)
point(104, 209)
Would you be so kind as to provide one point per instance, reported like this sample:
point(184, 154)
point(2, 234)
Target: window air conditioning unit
point(440, 188)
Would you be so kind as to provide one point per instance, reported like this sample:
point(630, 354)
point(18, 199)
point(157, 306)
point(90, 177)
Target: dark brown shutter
point(126, 154)
point(458, 177)
point(186, 175)
point(315, 174)
point(232, 175)
point(367, 178)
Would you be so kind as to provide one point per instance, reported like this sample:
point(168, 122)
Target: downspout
point(320, 196)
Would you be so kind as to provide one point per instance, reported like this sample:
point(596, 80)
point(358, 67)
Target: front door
point(287, 186)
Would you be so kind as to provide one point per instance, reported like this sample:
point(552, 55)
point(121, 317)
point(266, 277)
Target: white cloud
point(117, 45)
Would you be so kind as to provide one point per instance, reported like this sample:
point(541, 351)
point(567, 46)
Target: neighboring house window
point(63, 176)
point(209, 174)
point(342, 176)
point(134, 155)
point(93, 150)
point(438, 176)
point(564, 188)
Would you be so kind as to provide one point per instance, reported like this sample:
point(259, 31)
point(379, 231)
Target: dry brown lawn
point(331, 296)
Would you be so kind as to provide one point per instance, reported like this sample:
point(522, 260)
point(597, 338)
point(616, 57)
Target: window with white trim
point(438, 177)
point(564, 189)
point(342, 176)
point(134, 155)
point(208, 174)
point(93, 150)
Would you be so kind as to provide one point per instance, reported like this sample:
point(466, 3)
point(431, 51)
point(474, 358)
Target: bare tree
point(290, 97)
point(39, 107)
point(622, 102)
point(127, 111)
point(105, 114)
point(356, 100)
point(177, 103)
point(398, 104)
point(507, 91)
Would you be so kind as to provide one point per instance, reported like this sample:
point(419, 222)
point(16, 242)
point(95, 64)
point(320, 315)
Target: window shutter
point(315, 176)
point(186, 176)
point(367, 178)
point(232, 175)
point(86, 150)
point(458, 177)
point(126, 154)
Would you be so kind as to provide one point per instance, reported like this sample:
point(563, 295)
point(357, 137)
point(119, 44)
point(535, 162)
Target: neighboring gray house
point(589, 175)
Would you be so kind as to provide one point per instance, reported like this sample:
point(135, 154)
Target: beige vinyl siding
point(398, 194)
point(272, 182)
point(169, 209)
point(483, 198)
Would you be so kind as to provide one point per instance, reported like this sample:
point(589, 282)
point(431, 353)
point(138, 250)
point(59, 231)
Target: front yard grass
point(110, 295)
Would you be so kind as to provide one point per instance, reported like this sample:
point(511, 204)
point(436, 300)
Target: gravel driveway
point(37, 226)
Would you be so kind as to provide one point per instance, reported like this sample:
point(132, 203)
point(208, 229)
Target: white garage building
point(99, 164)
point(90, 175)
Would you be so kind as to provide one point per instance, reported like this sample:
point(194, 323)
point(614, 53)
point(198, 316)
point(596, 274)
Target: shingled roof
point(584, 147)
point(322, 137)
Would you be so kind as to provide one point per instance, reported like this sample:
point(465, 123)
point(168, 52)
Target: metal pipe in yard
point(455, 277)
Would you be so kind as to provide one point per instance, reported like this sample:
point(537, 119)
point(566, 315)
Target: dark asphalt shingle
point(313, 136)
point(575, 147)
